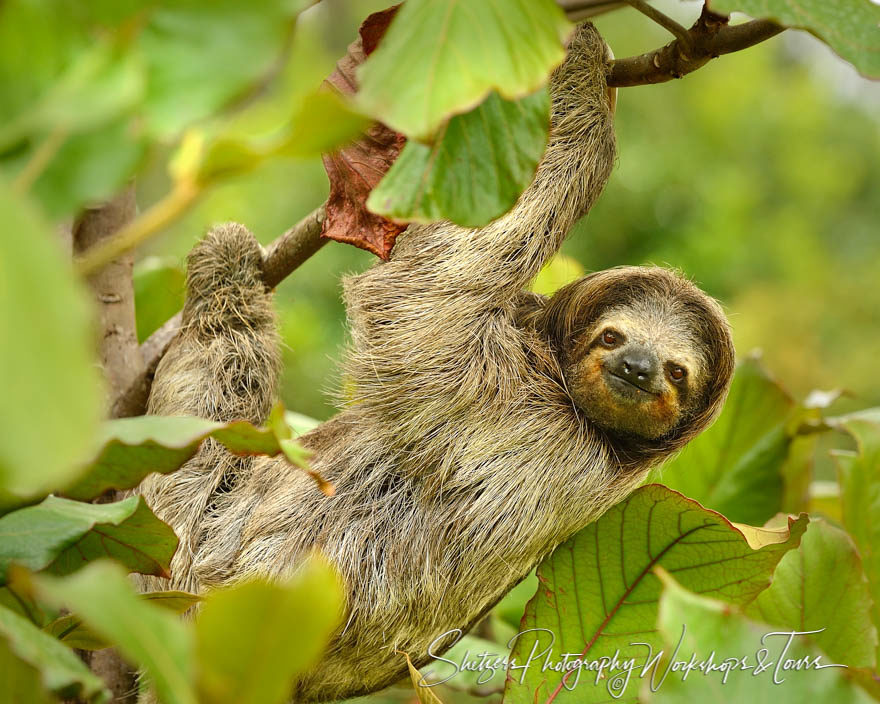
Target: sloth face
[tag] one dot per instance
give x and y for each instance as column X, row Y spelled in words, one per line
column 645, row 354
column 641, row 370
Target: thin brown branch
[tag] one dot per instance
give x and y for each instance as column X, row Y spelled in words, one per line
column 665, row 21
column 283, row 256
column 577, row 10
column 709, row 38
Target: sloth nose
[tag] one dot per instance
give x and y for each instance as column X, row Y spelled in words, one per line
column 637, row 365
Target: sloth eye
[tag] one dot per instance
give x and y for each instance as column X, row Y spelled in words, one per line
column 677, row 373
column 609, row 337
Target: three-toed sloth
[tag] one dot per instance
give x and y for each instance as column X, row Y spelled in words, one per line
column 483, row 425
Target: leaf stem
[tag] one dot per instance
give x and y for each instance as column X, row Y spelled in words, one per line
column 39, row 160
column 152, row 221
column 662, row 19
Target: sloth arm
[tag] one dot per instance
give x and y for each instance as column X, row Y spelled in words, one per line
column 436, row 324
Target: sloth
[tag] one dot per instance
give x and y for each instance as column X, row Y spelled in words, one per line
column 482, row 425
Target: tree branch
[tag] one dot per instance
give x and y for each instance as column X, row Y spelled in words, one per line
column 120, row 359
column 283, row 256
column 577, row 10
column 709, row 38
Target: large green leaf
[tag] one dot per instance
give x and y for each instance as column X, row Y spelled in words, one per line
column 62, row 535
column 735, row 467
column 598, row 592
column 51, row 400
column 146, row 635
column 850, row 27
column 131, row 448
column 443, row 57
column 821, row 585
column 75, row 634
column 22, row 644
column 859, row 477
column 699, row 631
column 476, row 168
column 252, row 639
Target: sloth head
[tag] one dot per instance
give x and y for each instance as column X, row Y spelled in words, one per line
column 646, row 355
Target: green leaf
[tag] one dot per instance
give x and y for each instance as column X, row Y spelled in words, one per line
column 51, row 400
column 62, row 535
column 279, row 630
column 60, row 671
column 701, row 627
column 75, row 634
column 159, row 286
column 146, row 635
column 735, row 467
column 131, row 448
column 21, row 682
column 323, row 122
column 443, row 57
column 859, row 477
column 598, row 593
column 474, row 171
column 203, row 54
column 850, row 27
column 802, row 597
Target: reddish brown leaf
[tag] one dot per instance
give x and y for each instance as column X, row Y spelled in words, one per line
column 356, row 169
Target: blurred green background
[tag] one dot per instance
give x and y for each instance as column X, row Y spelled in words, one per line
column 757, row 176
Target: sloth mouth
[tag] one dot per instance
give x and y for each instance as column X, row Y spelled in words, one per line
column 631, row 389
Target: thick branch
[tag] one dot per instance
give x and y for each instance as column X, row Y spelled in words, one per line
column 113, row 290
column 709, row 38
column 283, row 256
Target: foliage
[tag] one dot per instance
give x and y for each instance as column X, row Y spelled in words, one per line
column 220, row 101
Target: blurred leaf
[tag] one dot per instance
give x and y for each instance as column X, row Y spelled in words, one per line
column 443, row 57
column 802, row 597
column 558, row 272
column 323, row 122
column 254, row 638
column 476, row 168
column 75, row 634
column 300, row 424
column 735, row 466
column 89, row 167
column 101, row 85
column 859, row 477
column 60, row 671
column 850, row 27
column 598, row 590
column 159, row 285
column 21, row 682
column 202, row 55
column 132, row 448
column 146, row 635
column 62, row 535
column 713, row 628
column 51, row 400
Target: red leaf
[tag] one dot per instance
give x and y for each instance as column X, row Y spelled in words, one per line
column 355, row 169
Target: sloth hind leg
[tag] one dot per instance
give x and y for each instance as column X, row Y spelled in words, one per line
column 223, row 365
